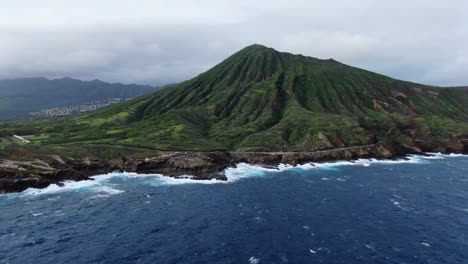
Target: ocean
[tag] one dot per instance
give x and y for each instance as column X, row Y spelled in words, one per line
column 368, row 211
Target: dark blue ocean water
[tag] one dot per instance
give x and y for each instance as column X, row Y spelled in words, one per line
column 414, row 211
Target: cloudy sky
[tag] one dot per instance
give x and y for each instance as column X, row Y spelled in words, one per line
column 157, row 42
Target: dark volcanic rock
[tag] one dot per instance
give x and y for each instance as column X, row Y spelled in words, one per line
column 455, row 145
column 19, row 185
column 198, row 165
column 117, row 164
column 16, row 176
column 380, row 151
column 90, row 166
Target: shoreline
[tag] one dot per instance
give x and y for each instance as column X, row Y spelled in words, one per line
column 233, row 173
column 17, row 176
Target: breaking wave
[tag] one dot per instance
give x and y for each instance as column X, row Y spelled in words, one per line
column 244, row 170
column 103, row 186
column 93, row 186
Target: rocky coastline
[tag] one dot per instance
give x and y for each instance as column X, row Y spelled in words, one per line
column 17, row 176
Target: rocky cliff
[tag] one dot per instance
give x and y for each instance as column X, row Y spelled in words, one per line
column 17, row 176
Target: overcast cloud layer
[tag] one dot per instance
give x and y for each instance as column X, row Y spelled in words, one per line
column 158, row 42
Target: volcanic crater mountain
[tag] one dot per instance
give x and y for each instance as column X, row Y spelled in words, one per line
column 264, row 100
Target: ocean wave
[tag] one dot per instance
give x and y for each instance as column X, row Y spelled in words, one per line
column 177, row 181
column 73, row 186
column 244, row 170
column 438, row 155
column 101, row 184
column 155, row 179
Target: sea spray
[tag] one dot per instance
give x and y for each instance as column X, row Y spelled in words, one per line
column 101, row 184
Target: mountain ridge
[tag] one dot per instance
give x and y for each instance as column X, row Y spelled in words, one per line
column 20, row 96
column 262, row 99
column 258, row 106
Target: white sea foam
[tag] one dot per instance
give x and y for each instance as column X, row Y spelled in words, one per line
column 457, row 155
column 90, row 185
column 434, row 156
column 155, row 179
column 37, row 214
column 370, row 246
column 177, row 181
column 102, row 186
column 438, row 155
column 361, row 162
column 244, row 170
column 254, row 260
column 122, row 175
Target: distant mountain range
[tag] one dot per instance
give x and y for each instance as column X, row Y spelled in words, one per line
column 265, row 100
column 19, row 97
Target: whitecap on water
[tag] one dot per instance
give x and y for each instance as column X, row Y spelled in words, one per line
column 438, row 155
column 36, row 214
column 176, row 181
column 434, row 156
column 244, row 170
column 370, row 246
column 155, row 179
column 103, row 188
column 457, row 155
column 73, row 186
column 360, row 162
column 254, row 260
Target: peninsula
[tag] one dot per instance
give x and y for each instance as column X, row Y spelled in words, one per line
column 259, row 106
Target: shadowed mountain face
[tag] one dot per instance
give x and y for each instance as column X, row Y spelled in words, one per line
column 21, row 96
column 263, row 99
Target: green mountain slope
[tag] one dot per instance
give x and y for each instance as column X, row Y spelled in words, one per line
column 21, row 96
column 263, row 99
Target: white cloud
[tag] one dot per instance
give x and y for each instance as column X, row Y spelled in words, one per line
column 168, row 41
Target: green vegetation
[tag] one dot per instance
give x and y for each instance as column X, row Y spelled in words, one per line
column 266, row 100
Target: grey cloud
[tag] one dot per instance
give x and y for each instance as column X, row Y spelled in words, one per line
column 155, row 42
